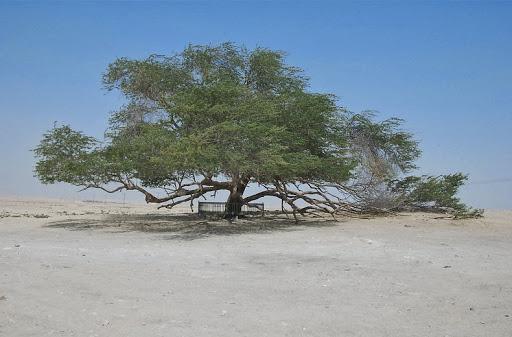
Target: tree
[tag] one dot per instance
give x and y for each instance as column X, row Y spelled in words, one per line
column 215, row 118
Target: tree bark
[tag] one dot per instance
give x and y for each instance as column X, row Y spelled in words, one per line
column 235, row 201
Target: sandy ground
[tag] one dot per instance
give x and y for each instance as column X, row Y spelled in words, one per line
column 94, row 269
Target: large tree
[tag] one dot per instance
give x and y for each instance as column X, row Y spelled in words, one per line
column 214, row 118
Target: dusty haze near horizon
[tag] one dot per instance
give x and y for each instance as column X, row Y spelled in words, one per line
column 106, row 269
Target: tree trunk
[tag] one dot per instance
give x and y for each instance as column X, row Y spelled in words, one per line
column 235, row 201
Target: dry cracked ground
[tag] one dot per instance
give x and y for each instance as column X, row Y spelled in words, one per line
column 104, row 269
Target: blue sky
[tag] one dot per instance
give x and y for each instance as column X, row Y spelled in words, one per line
column 445, row 67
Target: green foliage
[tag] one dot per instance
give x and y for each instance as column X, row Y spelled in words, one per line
column 67, row 156
column 382, row 149
column 221, row 111
column 435, row 192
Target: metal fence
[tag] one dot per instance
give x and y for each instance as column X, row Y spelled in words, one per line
column 219, row 208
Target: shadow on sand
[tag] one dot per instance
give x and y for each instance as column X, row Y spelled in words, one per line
column 187, row 226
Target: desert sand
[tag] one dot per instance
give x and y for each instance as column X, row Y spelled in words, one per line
column 105, row 269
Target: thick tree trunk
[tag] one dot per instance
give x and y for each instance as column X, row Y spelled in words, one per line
column 235, row 201
column 233, row 206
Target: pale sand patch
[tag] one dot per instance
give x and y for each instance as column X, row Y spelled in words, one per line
column 106, row 269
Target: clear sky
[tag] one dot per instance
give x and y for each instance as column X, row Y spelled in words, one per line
column 445, row 67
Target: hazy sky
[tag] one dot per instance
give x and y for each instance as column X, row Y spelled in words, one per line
column 445, row 67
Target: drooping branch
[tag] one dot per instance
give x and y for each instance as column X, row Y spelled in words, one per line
column 117, row 189
column 309, row 198
column 180, row 192
column 190, row 195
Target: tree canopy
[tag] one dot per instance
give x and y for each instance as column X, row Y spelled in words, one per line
column 214, row 118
